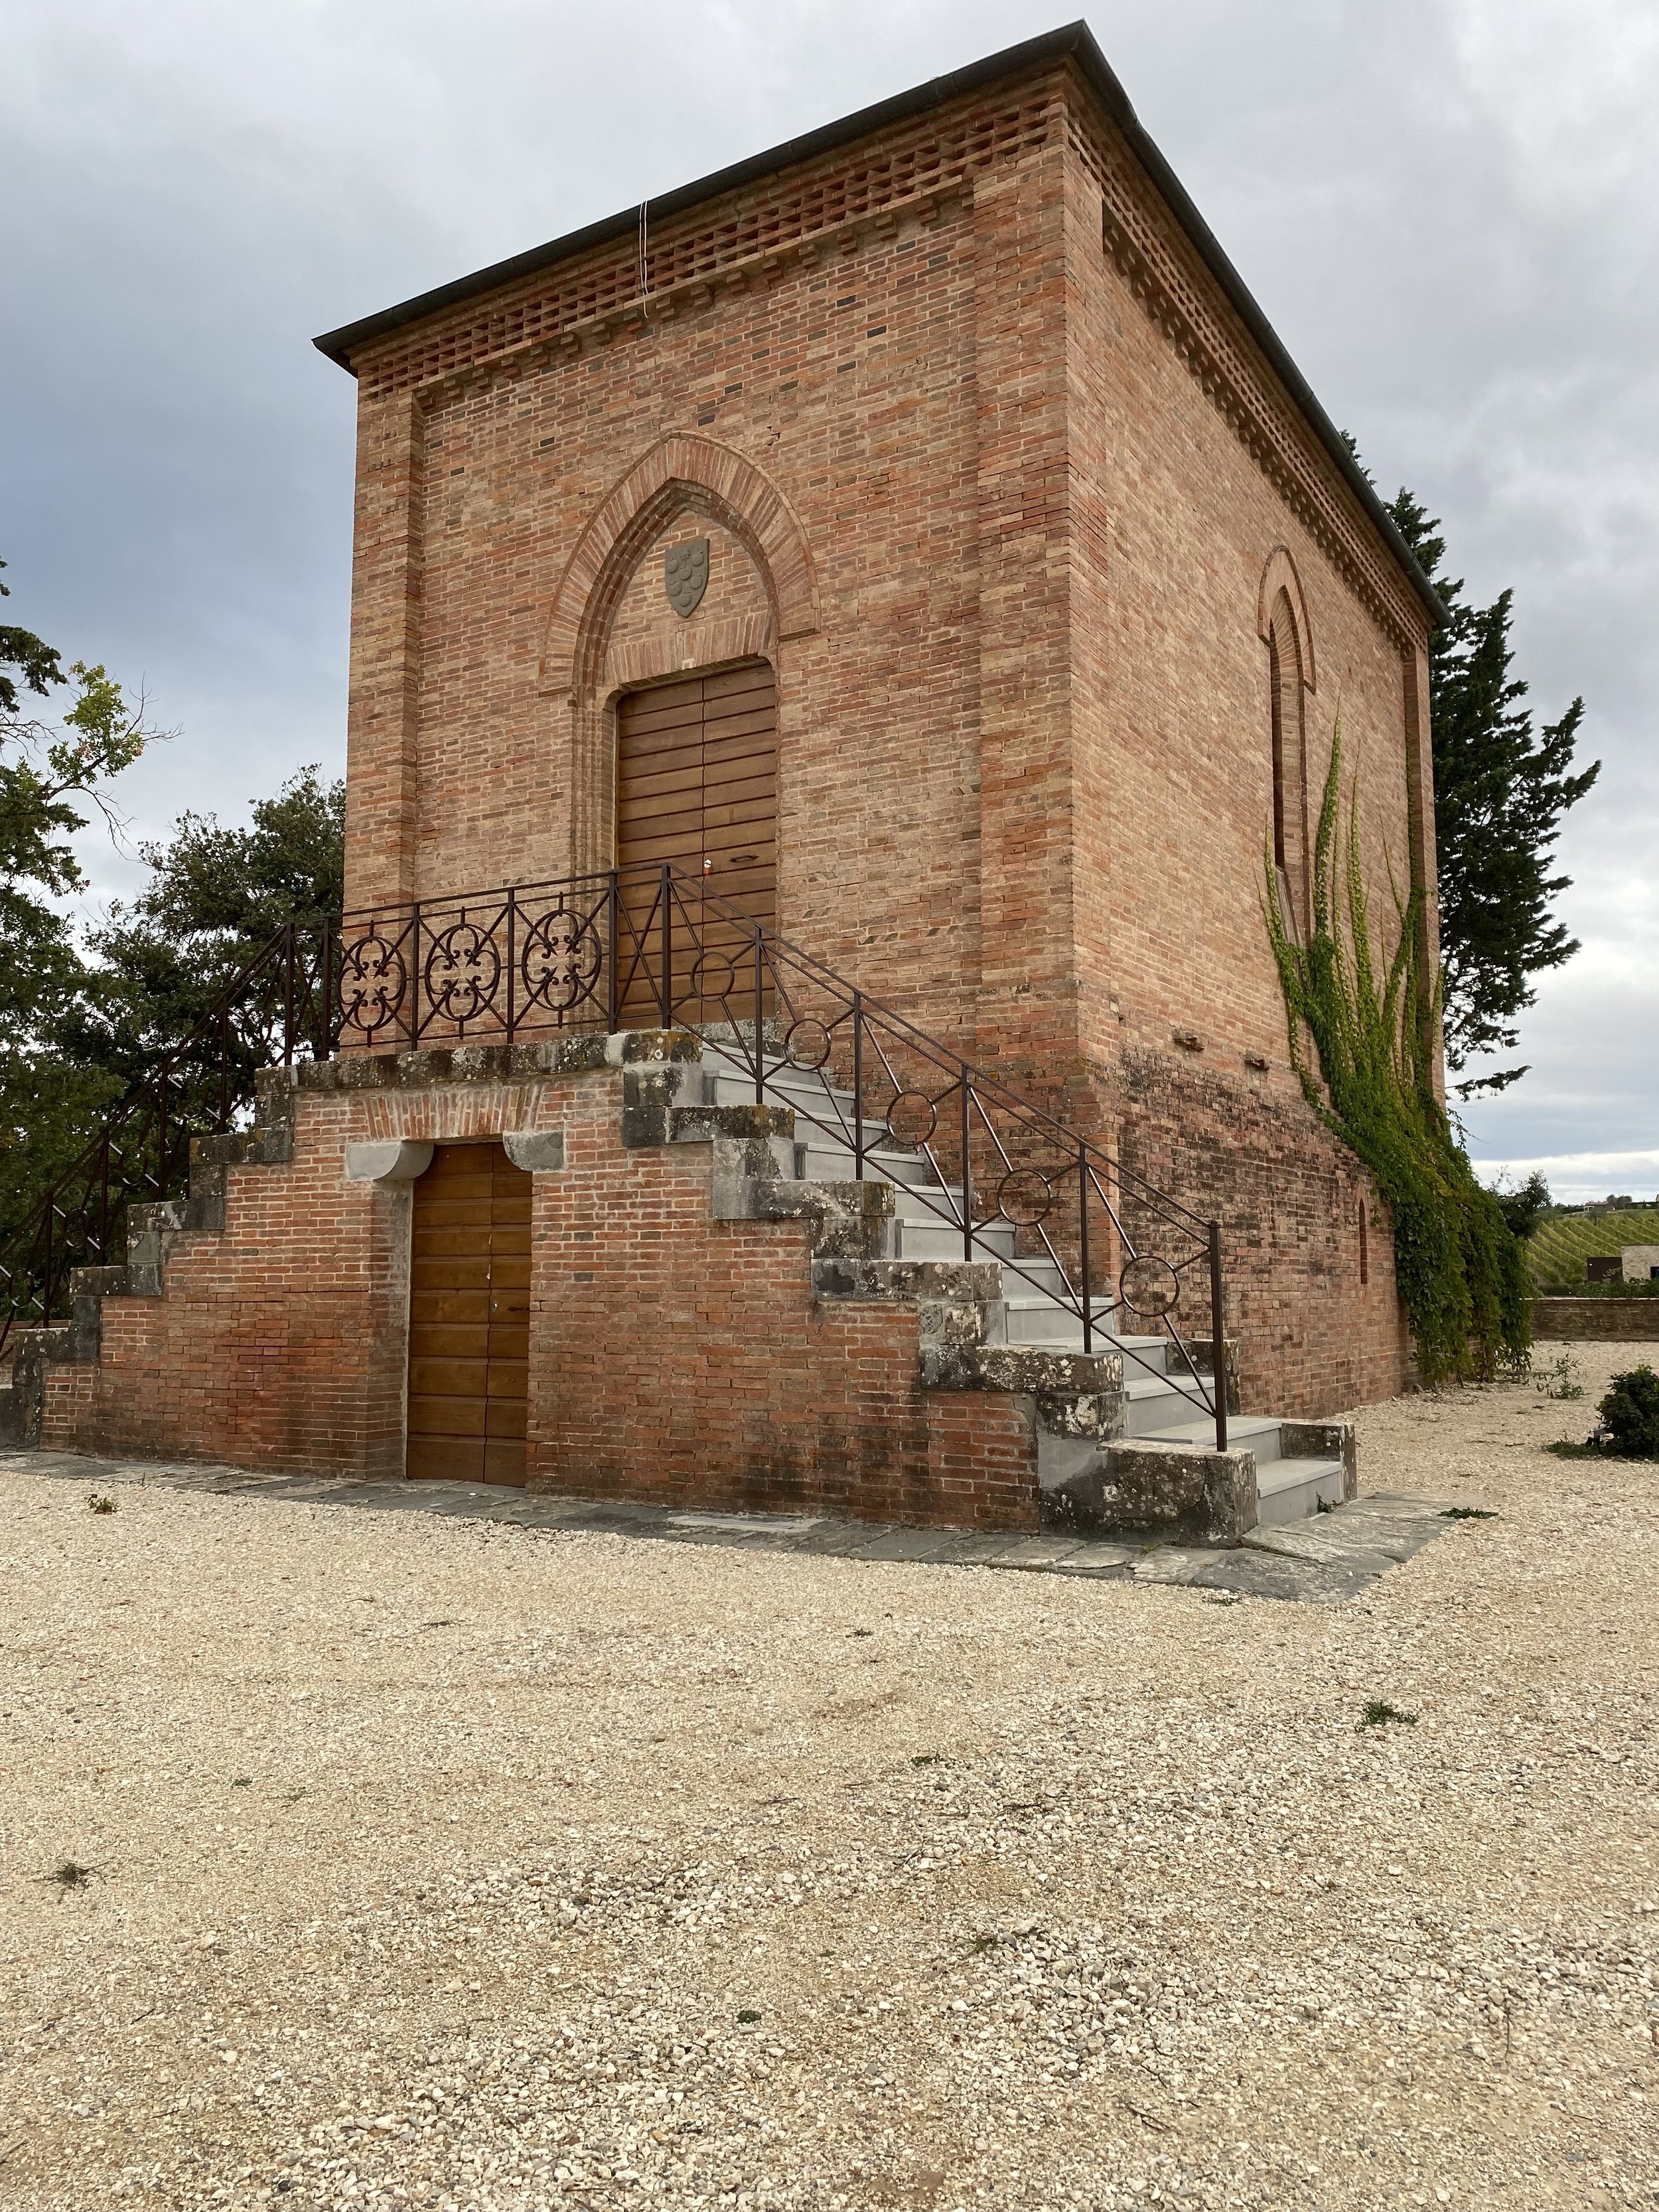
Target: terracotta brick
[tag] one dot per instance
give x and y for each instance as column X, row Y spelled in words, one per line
column 675, row 1359
column 996, row 477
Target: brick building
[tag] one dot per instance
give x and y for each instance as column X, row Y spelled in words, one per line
column 917, row 538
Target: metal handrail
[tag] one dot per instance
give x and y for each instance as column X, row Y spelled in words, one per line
column 608, row 950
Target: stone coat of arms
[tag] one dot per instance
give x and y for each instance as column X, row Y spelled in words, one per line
column 685, row 576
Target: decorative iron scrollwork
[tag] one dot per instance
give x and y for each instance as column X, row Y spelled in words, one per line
column 1149, row 1287
column 373, row 978
column 463, row 972
column 561, row 961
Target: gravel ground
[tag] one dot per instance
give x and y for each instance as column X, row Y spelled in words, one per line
column 444, row 1864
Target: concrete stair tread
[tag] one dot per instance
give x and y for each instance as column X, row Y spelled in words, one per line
column 1029, row 1297
column 1137, row 1383
column 836, row 1155
column 1290, row 1489
column 1242, row 1430
column 1277, row 1474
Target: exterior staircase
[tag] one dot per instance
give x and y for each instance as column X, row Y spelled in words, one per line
column 1163, row 1404
column 730, row 1036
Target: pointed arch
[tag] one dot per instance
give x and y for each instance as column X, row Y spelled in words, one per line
column 1282, row 624
column 1279, row 580
column 680, row 474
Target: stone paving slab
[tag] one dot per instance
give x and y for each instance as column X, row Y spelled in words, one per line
column 838, row 1540
column 1036, row 1554
column 1324, row 1560
column 908, row 1544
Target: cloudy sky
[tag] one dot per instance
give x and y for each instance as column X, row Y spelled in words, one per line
column 1450, row 208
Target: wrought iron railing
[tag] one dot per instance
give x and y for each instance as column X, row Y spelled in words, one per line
column 652, row 946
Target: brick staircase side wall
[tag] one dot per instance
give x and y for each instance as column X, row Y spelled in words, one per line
column 676, row 1357
column 680, row 1360
column 277, row 1343
column 1314, row 1336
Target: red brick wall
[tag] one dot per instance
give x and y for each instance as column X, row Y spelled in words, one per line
column 276, row 1345
column 1596, row 1320
column 675, row 1359
column 1037, row 471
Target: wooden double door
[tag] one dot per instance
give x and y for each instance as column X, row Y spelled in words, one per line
column 697, row 788
column 469, row 1316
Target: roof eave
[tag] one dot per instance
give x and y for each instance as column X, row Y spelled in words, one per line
column 1075, row 42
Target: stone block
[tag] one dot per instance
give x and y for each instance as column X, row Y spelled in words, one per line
column 537, row 1151
column 1180, row 1492
column 1323, row 1440
column 845, row 1220
column 386, row 1161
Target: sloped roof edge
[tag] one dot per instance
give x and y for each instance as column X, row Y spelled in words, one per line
column 1075, row 42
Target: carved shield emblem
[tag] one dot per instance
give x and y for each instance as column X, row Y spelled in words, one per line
column 685, row 576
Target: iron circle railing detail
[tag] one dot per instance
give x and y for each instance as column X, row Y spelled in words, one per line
column 807, row 1045
column 1024, row 1197
column 912, row 1118
column 1150, row 1286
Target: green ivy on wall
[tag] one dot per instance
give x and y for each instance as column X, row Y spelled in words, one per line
column 1461, row 1272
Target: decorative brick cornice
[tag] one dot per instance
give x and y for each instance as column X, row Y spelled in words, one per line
column 1142, row 240
column 792, row 218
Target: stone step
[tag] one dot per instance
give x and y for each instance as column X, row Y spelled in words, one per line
column 1261, row 1432
column 824, row 1102
column 1031, row 1318
column 1292, row 1489
column 1156, row 1352
column 1157, row 1406
column 825, row 1161
column 921, row 1234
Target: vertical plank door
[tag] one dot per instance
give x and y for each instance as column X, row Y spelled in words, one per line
column 469, row 1316
column 697, row 788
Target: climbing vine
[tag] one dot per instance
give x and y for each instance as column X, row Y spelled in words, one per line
column 1461, row 1272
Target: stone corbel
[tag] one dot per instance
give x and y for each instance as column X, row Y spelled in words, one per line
column 537, row 1151
column 391, row 1160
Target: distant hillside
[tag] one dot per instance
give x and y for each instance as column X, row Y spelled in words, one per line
column 1557, row 1250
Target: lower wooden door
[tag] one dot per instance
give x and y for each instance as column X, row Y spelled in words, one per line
column 469, row 1316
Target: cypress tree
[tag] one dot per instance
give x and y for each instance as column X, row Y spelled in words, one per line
column 1500, row 792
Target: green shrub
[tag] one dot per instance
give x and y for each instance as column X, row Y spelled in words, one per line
column 1630, row 1414
column 1461, row 1272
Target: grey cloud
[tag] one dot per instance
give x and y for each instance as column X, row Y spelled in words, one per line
column 1447, row 207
